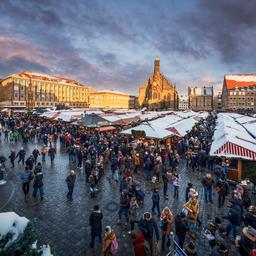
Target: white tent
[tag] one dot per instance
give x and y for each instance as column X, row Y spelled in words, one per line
column 150, row 131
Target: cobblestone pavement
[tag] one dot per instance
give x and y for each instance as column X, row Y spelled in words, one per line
column 65, row 224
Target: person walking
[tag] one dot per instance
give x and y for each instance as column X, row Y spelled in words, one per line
column 12, row 157
column 222, row 190
column 148, row 227
column 70, row 180
column 35, row 154
column 165, row 184
column 193, row 208
column 51, row 154
column 208, row 182
column 176, row 185
column 38, row 181
column 235, row 219
column 166, row 220
column 26, row 176
column 44, row 151
column 124, row 207
column 95, row 221
column 138, row 243
column 21, row 155
column 133, row 212
column 181, row 228
column 110, row 244
column 156, row 201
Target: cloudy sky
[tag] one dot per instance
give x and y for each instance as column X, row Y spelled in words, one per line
column 112, row 44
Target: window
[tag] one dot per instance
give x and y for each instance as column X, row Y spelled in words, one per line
column 16, row 95
column 22, row 88
column 21, row 95
column 16, row 87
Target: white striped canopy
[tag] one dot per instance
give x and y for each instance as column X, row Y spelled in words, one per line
column 231, row 140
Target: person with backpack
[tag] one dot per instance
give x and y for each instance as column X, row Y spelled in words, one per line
column 110, row 244
column 26, row 176
column 95, row 221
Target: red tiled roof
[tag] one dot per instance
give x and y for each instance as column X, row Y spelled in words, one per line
column 239, row 80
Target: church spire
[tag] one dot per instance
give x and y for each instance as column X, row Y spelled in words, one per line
column 157, row 66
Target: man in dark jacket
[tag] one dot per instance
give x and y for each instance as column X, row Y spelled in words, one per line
column 12, row 157
column 96, row 225
column 207, row 182
column 181, row 228
column 35, row 154
column 21, row 154
column 148, row 227
column 235, row 219
column 222, row 186
column 70, row 180
column 38, row 181
column 124, row 207
column 87, row 169
column 156, row 201
column 52, row 153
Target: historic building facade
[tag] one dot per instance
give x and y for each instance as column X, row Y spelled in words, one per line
column 111, row 100
column 239, row 93
column 29, row 90
column 200, row 98
column 157, row 93
column 183, row 102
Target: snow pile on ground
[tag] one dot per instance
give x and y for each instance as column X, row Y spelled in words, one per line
column 12, row 223
column 46, row 250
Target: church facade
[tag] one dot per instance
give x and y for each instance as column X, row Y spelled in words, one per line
column 157, row 93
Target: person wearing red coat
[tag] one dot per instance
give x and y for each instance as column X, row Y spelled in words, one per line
column 138, row 243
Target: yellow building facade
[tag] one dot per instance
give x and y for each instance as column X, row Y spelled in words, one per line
column 109, row 100
column 29, row 90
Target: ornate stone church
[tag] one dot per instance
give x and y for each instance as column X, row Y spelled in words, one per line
column 157, row 93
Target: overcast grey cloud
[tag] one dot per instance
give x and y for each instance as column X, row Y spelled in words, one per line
column 113, row 43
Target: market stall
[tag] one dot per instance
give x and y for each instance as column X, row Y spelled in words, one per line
column 231, row 140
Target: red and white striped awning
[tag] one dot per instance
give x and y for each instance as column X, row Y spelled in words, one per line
column 233, row 150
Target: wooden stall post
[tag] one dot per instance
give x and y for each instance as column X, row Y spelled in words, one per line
column 239, row 169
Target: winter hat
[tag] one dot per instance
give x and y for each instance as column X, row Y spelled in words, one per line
column 108, row 229
column 250, row 233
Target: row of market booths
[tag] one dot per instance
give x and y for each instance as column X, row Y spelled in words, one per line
column 149, row 124
column 234, row 141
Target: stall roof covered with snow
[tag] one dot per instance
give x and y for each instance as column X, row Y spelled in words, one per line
column 231, row 139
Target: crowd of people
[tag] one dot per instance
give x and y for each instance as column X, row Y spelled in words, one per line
column 124, row 161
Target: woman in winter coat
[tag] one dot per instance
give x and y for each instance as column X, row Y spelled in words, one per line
column 193, row 208
column 138, row 243
column 133, row 211
column 108, row 238
column 166, row 219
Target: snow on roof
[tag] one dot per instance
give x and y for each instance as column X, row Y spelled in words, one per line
column 10, row 222
column 242, row 77
column 34, row 75
column 228, row 131
column 183, row 126
column 151, row 131
column 110, row 91
column 233, row 81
